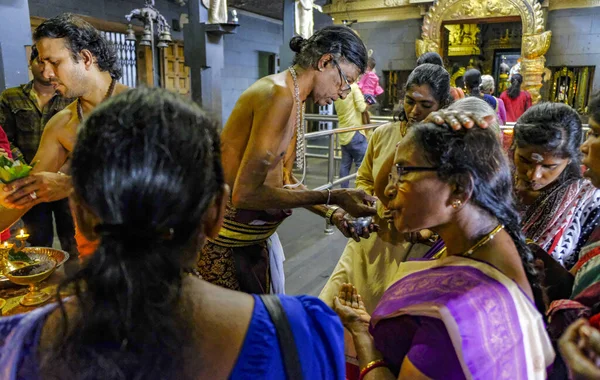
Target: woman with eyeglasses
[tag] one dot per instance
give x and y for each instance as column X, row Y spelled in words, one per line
column 370, row 263
column 475, row 312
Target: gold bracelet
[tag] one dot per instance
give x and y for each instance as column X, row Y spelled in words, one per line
column 330, row 213
column 371, row 366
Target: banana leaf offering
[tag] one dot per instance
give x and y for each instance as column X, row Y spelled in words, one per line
column 12, row 170
column 19, row 256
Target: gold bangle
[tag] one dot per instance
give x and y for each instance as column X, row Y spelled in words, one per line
column 371, row 366
column 330, row 213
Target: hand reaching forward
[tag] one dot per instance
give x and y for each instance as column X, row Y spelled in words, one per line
column 350, row 308
column 580, row 349
column 355, row 201
column 457, row 120
column 350, row 232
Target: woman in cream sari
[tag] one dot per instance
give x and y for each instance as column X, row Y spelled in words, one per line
column 370, row 263
column 473, row 313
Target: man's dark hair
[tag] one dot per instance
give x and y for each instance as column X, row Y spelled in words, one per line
column 430, row 57
column 81, row 35
column 34, row 54
column 337, row 40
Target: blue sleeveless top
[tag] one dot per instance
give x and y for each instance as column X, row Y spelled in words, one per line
column 317, row 330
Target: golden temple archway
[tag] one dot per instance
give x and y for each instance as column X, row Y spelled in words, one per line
column 535, row 42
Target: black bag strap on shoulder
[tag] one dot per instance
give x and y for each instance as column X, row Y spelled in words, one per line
column 291, row 361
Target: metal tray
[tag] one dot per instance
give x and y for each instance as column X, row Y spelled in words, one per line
column 57, row 255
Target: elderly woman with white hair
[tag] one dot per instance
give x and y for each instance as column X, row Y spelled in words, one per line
column 487, row 87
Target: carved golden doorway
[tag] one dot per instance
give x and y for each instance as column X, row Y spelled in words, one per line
column 534, row 43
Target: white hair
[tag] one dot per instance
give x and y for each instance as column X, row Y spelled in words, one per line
column 487, row 84
column 479, row 108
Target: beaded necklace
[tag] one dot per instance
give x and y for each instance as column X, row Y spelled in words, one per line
column 300, row 138
column 111, row 88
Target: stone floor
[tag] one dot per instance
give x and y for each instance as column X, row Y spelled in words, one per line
column 311, row 255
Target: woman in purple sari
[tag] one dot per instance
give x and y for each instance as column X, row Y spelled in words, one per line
column 473, row 312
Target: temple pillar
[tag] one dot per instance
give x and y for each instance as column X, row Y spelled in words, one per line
column 532, row 64
column 532, row 70
column 286, row 55
column 204, row 54
column 15, row 34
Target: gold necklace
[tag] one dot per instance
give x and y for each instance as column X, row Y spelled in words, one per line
column 403, row 128
column 484, row 240
column 111, row 88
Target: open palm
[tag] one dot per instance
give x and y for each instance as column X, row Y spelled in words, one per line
column 349, row 306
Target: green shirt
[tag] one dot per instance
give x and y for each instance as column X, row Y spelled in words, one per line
column 349, row 112
column 23, row 121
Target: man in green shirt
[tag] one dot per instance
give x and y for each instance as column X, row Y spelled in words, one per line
column 354, row 144
column 24, row 112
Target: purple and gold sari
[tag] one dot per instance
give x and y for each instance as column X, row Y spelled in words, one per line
column 461, row 318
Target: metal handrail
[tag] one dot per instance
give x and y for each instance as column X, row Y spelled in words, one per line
column 334, row 118
column 364, row 127
column 331, row 146
column 379, row 120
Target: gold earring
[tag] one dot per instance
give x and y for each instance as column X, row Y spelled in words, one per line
column 456, row 203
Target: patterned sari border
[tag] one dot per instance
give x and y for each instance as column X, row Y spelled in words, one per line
column 478, row 299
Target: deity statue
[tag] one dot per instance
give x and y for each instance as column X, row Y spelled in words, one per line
column 304, row 23
column 217, row 11
column 516, row 69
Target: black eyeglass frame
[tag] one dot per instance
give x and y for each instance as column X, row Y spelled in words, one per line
column 343, row 77
column 400, row 170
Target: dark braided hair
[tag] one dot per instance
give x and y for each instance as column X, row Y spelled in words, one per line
column 515, row 86
column 337, row 40
column 150, row 194
column 478, row 153
column 473, row 82
column 81, row 35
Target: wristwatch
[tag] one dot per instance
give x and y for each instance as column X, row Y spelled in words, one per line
column 330, row 212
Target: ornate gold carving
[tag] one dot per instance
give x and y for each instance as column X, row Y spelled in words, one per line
column 532, row 70
column 457, row 75
column 463, row 39
column 532, row 18
column 492, row 8
column 582, row 90
column 535, row 46
column 424, row 46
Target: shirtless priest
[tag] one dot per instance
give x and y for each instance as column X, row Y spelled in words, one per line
column 80, row 63
column 258, row 151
